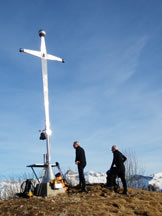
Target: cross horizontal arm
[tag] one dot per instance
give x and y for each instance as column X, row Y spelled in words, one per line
column 54, row 58
column 32, row 52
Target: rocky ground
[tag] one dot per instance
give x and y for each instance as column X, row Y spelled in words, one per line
column 99, row 201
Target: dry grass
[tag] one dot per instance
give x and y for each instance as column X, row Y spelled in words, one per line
column 98, row 201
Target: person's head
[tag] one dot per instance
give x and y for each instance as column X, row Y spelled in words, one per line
column 114, row 148
column 76, row 144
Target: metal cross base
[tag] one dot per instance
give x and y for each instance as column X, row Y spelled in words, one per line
column 48, row 172
column 44, row 188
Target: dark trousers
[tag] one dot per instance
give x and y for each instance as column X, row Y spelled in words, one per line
column 122, row 176
column 81, row 176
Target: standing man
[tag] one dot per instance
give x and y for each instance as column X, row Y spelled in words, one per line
column 118, row 161
column 80, row 161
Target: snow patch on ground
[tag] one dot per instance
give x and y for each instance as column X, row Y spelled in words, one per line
column 95, row 177
column 9, row 189
column 91, row 177
column 156, row 182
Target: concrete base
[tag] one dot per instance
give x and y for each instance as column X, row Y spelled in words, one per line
column 45, row 190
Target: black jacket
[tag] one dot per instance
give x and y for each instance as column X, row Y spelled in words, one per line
column 80, row 156
column 118, row 160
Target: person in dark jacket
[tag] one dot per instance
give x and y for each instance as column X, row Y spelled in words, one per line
column 118, row 161
column 80, row 161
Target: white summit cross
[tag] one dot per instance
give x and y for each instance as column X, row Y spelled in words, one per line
column 44, row 57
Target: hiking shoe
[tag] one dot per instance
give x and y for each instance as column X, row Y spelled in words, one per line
column 84, row 190
column 78, row 186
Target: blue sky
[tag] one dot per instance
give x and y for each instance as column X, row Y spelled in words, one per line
column 108, row 92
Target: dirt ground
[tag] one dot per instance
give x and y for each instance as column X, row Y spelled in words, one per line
column 99, row 201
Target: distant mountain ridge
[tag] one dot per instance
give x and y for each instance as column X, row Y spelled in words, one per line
column 9, row 188
column 137, row 181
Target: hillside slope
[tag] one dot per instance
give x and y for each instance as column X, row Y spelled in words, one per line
column 98, row 201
